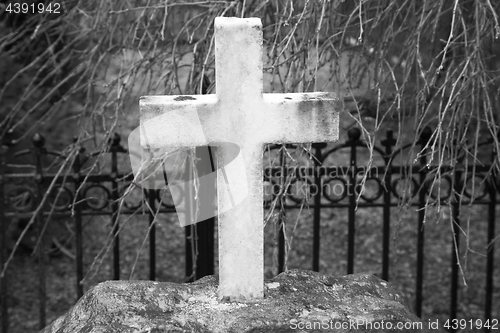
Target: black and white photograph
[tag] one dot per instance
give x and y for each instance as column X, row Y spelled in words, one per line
column 249, row 166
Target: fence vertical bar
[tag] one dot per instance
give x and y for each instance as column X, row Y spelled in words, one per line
column 424, row 138
column 354, row 135
column 78, row 221
column 455, row 212
column 200, row 235
column 420, row 250
column 388, row 143
column 152, row 233
column 114, row 148
column 204, row 232
column 38, row 149
column 488, row 306
column 4, row 314
column 318, row 162
column 190, row 244
column 281, row 245
column 281, row 215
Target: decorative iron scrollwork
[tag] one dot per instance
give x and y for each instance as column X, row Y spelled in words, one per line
column 96, row 197
column 60, row 198
column 21, row 198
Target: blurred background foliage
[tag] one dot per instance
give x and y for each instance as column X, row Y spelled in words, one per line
column 396, row 64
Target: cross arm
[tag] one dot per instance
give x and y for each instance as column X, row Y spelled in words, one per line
column 301, row 118
column 177, row 121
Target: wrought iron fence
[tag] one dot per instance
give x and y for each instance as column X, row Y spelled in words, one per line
column 383, row 182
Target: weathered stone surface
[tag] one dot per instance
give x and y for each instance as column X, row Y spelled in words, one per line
column 294, row 301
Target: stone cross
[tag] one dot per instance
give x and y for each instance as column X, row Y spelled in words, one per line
column 240, row 120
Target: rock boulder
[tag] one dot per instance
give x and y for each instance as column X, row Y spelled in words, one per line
column 294, row 301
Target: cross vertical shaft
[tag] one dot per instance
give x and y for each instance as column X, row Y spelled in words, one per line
column 239, row 85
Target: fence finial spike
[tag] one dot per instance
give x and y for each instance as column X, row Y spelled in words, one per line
column 38, row 140
column 389, row 140
column 425, row 135
column 354, row 134
column 114, row 140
